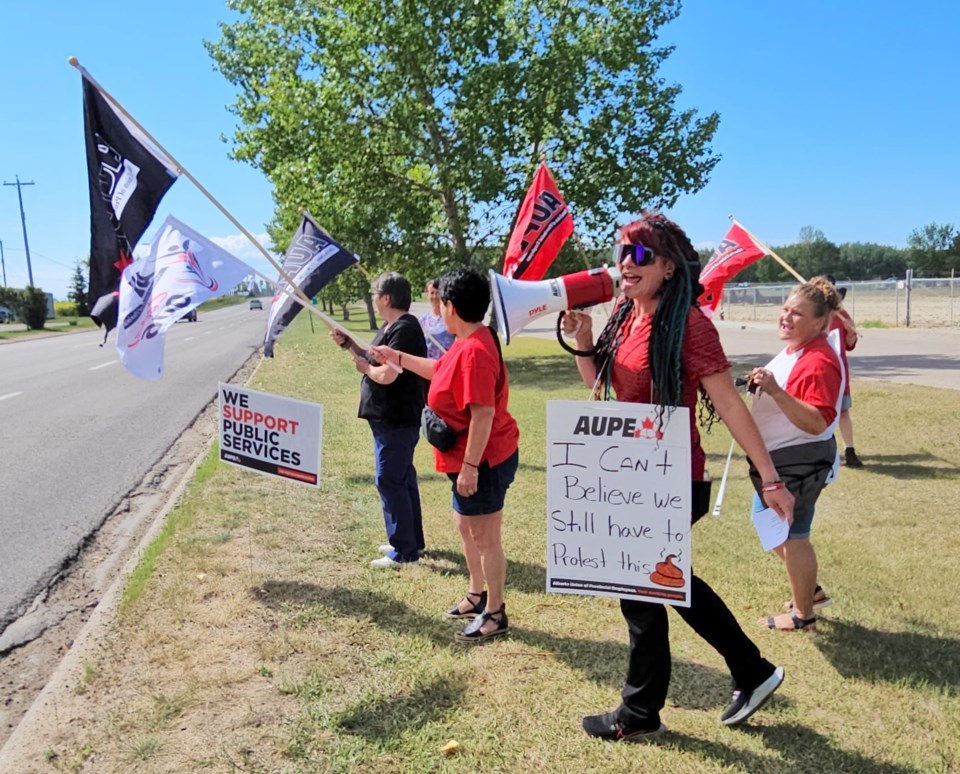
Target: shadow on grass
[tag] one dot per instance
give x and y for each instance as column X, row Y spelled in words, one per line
column 422, row 476
column 694, row 686
column 868, row 654
column 800, row 750
column 924, row 465
column 389, row 717
column 521, row 576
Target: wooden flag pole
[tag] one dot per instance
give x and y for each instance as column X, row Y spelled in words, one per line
column 299, row 296
column 770, row 252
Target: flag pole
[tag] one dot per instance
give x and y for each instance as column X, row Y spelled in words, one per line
column 300, row 296
column 770, row 252
column 723, row 481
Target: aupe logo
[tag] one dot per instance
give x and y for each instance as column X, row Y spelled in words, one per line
column 608, row 427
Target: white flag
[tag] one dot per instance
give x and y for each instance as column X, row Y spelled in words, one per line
column 182, row 270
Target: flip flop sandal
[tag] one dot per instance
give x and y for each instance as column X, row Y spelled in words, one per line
column 820, row 601
column 799, row 624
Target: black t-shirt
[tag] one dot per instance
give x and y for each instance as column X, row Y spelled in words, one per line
column 401, row 402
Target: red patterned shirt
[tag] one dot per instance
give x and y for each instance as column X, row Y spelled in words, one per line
column 701, row 356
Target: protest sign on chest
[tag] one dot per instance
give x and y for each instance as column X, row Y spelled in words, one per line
column 618, row 501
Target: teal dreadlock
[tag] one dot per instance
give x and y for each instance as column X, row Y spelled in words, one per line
column 669, row 327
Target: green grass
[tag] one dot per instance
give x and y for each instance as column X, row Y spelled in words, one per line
column 180, row 519
column 57, row 325
column 255, row 621
column 71, row 324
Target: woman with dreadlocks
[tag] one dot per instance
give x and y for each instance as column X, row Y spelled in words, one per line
column 659, row 348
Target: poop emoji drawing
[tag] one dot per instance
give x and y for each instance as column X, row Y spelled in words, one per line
column 667, row 573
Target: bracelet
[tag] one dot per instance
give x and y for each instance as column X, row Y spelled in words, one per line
column 475, row 467
column 400, row 359
column 772, row 486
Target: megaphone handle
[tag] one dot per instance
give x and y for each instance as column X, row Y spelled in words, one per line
column 578, row 352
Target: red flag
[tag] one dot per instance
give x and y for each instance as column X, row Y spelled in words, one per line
column 736, row 252
column 543, row 225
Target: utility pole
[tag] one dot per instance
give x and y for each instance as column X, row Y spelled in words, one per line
column 2, row 264
column 23, row 218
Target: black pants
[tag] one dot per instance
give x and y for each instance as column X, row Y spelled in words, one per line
column 648, row 672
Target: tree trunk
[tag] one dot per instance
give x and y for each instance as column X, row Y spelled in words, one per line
column 346, row 312
column 371, row 313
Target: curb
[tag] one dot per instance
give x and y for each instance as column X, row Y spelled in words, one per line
column 17, row 753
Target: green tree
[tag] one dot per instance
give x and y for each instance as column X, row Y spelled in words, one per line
column 411, row 128
column 811, row 256
column 811, row 234
column 29, row 305
column 931, row 250
column 78, row 289
column 866, row 261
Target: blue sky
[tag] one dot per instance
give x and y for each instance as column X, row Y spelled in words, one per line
column 840, row 115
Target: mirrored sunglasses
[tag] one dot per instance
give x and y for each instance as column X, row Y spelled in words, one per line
column 640, row 255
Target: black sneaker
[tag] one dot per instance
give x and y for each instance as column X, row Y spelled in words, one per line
column 608, row 728
column 745, row 703
column 851, row 459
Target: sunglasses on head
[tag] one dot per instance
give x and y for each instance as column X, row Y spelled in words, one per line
column 640, row 255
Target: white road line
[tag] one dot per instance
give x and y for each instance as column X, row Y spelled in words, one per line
column 103, row 365
column 190, row 338
column 10, row 395
column 207, row 333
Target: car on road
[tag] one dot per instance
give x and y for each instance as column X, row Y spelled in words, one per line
column 255, row 303
column 6, row 315
column 191, row 316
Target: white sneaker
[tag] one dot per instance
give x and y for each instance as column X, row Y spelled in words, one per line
column 386, row 549
column 386, row 563
column 744, row 704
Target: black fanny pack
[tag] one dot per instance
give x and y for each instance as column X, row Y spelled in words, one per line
column 803, row 468
column 440, row 435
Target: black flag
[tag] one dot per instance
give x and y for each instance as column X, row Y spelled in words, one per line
column 312, row 260
column 127, row 180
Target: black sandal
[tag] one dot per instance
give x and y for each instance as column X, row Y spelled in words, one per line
column 473, row 632
column 477, row 607
column 799, row 624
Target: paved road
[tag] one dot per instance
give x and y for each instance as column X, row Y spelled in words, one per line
column 929, row 356
column 77, row 432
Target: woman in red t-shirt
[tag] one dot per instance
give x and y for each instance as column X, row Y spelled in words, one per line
column 658, row 347
column 469, row 391
column 796, row 405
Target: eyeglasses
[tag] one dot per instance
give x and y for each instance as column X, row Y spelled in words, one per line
column 640, row 255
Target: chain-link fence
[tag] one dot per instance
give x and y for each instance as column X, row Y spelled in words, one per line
column 926, row 303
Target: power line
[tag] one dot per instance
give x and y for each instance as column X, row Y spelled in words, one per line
column 23, row 218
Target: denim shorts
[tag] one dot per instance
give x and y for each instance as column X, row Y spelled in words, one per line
column 802, row 518
column 492, row 485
